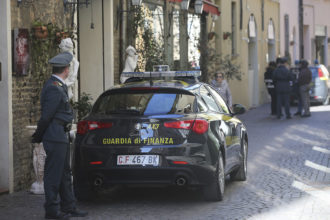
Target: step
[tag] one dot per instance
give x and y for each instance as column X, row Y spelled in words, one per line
column 3, row 191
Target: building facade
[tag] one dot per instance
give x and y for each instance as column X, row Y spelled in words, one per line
column 247, row 31
column 314, row 26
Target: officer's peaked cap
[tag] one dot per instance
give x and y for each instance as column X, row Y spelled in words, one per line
column 61, row 59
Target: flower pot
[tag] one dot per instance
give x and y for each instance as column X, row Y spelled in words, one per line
column 40, row 32
column 61, row 35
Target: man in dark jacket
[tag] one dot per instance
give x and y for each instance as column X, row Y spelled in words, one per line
column 304, row 80
column 282, row 77
column 268, row 78
column 56, row 114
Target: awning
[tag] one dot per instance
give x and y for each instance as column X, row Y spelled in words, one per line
column 208, row 6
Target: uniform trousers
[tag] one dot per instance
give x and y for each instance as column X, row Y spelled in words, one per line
column 57, row 178
column 305, row 100
column 283, row 99
column 273, row 99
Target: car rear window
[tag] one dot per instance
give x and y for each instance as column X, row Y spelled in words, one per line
column 144, row 103
column 314, row 71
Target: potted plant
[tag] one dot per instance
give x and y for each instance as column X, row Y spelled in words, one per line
column 226, row 35
column 40, row 30
column 211, row 35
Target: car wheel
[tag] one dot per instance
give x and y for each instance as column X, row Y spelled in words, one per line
column 326, row 101
column 241, row 173
column 215, row 190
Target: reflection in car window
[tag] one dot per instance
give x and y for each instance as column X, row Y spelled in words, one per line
column 222, row 104
column 144, row 103
column 208, row 99
column 201, row 105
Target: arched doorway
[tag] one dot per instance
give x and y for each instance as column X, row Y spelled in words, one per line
column 253, row 62
column 271, row 41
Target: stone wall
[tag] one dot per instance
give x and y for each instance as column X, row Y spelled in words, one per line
column 25, row 110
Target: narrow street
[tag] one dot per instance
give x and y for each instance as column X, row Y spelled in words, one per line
column 288, row 178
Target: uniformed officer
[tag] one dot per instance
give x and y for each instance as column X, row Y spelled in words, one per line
column 282, row 77
column 56, row 115
column 268, row 79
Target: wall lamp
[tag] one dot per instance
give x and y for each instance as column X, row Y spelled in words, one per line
column 136, row 2
column 198, row 6
column 119, row 11
column 76, row 2
column 185, row 5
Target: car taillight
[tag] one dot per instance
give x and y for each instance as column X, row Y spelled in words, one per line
column 320, row 73
column 84, row 126
column 198, row 126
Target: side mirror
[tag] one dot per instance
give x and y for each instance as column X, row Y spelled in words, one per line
column 238, row 109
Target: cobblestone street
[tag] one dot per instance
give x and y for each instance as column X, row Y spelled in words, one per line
column 288, row 178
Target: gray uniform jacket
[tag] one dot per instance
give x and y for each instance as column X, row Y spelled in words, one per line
column 56, row 112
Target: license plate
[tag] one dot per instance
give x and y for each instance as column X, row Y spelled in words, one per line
column 138, row 160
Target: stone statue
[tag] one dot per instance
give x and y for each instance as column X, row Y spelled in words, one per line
column 39, row 157
column 67, row 46
column 130, row 63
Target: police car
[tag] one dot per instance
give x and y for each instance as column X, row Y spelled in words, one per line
column 161, row 128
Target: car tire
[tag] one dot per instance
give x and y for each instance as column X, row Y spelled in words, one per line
column 241, row 173
column 215, row 190
column 326, row 101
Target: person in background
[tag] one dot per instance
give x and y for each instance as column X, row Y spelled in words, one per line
column 221, row 85
column 268, row 78
column 282, row 77
column 304, row 80
column 295, row 71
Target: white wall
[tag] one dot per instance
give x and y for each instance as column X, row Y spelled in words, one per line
column 6, row 137
column 96, row 48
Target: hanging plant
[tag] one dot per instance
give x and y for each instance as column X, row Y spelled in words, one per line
column 39, row 30
column 226, row 35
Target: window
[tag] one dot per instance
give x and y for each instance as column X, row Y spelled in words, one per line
column 144, row 103
column 221, row 103
column 208, row 99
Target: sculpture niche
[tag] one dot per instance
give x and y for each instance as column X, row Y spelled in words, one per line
column 130, row 63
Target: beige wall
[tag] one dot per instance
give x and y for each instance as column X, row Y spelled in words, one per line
column 316, row 13
column 250, row 90
column 96, row 48
column 290, row 8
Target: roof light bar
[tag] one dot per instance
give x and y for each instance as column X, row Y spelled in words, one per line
column 194, row 73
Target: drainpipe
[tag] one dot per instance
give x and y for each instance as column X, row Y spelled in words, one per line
column 301, row 28
column 122, row 37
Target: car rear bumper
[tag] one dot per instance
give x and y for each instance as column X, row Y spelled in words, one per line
column 195, row 171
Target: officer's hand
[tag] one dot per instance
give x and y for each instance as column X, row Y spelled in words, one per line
column 35, row 139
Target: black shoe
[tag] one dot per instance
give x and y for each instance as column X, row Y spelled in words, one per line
column 77, row 213
column 59, row 215
column 288, row 117
column 297, row 113
column 305, row 116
